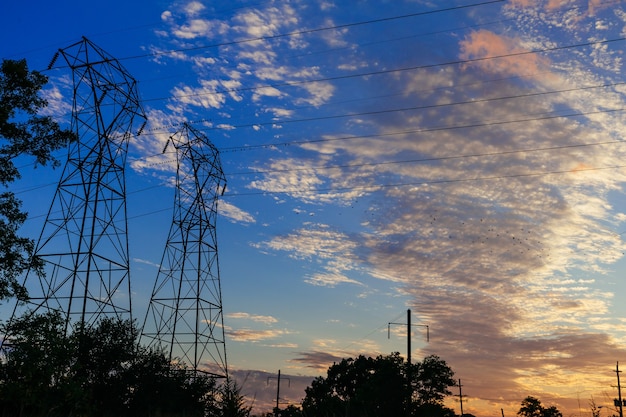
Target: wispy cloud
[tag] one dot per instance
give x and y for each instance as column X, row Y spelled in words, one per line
column 491, row 212
column 253, row 317
column 234, row 213
column 477, row 181
column 317, row 360
column 253, row 335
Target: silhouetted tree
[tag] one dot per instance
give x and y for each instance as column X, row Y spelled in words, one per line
column 35, row 376
column 230, row 402
column 531, row 407
column 379, row 387
column 23, row 132
column 96, row 371
column 289, row 411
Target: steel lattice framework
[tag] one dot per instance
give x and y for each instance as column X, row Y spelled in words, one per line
column 184, row 317
column 84, row 241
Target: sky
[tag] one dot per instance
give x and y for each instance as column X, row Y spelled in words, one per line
column 462, row 159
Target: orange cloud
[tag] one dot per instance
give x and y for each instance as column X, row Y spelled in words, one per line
column 581, row 167
column 515, row 60
column 552, row 5
column 595, row 5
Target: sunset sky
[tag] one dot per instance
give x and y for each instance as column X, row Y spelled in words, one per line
column 462, row 159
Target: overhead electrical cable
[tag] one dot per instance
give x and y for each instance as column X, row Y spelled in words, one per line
column 422, row 107
column 360, row 45
column 410, row 131
column 311, row 191
column 387, row 71
column 315, row 30
column 431, row 159
column 436, row 129
column 371, row 188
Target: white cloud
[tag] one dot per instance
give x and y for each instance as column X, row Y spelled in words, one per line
column 330, row 280
column 194, row 29
column 319, row 93
column 252, row 335
column 146, row 262
column 266, row 22
column 261, row 93
column 279, row 113
column 205, row 96
column 234, row 213
column 193, row 8
column 253, row 317
column 58, row 106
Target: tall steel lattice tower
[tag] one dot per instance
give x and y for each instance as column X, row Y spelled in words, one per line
column 84, row 241
column 184, row 317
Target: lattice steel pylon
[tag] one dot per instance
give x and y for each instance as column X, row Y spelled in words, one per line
column 84, row 240
column 184, row 317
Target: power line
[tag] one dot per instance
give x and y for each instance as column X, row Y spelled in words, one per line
column 377, row 187
column 432, row 159
column 378, row 329
column 384, row 111
column 422, row 107
column 390, row 71
column 367, row 44
column 380, row 72
column 425, row 130
column 217, row 127
column 373, row 164
column 437, row 129
column 309, row 31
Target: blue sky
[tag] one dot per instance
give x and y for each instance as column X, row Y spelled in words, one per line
column 461, row 159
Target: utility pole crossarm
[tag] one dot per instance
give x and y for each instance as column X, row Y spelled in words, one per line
column 413, row 325
column 278, row 389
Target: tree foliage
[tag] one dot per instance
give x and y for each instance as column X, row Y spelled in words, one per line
column 94, row 371
column 23, row 132
column 531, row 407
column 289, row 411
column 379, row 387
column 230, row 401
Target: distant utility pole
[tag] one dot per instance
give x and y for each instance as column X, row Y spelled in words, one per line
column 619, row 390
column 278, row 390
column 461, row 397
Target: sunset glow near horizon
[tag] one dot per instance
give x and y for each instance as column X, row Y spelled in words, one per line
column 462, row 159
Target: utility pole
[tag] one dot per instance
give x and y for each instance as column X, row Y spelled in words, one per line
column 408, row 350
column 619, row 390
column 408, row 340
column 277, row 390
column 461, row 397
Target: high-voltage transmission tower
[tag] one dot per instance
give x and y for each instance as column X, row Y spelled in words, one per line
column 84, row 241
column 184, row 317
